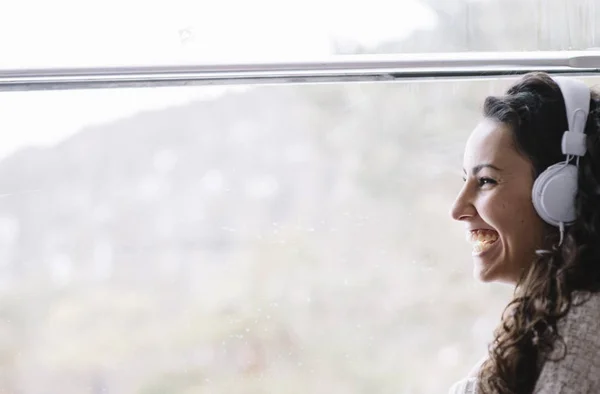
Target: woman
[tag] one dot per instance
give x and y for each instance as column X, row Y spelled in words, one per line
column 548, row 340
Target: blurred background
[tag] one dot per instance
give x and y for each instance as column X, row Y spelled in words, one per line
column 266, row 239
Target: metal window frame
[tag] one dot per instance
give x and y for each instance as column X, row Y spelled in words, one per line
column 353, row 68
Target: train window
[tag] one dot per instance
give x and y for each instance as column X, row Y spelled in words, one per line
column 114, row 32
column 289, row 238
column 240, row 239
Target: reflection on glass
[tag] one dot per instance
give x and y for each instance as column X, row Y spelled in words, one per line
column 132, row 32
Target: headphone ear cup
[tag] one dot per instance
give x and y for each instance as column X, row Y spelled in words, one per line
column 554, row 192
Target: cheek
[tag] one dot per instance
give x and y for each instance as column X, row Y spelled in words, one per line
column 512, row 215
column 498, row 212
column 522, row 224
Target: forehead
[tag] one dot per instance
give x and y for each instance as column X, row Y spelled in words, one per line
column 492, row 143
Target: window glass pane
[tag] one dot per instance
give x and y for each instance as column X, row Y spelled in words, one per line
column 281, row 239
column 37, row 33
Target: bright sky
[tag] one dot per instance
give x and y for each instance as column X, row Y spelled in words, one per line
column 42, row 33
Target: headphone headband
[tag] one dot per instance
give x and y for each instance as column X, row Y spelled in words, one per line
column 555, row 189
column 577, row 97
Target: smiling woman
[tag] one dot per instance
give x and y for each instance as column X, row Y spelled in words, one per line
column 495, row 203
column 527, row 179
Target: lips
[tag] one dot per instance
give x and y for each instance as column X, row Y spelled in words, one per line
column 482, row 239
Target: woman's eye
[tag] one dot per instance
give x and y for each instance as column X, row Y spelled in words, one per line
column 486, row 181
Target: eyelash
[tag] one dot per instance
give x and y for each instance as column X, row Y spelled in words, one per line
column 484, row 181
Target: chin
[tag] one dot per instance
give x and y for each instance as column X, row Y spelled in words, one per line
column 490, row 275
column 483, row 276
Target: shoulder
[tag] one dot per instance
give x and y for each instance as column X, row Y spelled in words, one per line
column 465, row 386
column 575, row 367
column 581, row 325
column 469, row 384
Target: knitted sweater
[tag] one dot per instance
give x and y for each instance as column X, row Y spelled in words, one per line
column 577, row 372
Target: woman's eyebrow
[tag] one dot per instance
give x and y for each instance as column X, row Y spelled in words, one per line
column 476, row 169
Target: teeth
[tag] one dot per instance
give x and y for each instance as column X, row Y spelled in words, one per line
column 482, row 240
column 480, row 247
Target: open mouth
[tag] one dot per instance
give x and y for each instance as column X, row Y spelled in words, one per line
column 482, row 240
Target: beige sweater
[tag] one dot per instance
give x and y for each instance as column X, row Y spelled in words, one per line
column 579, row 371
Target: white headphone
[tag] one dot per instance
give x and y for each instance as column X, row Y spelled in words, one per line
column 555, row 189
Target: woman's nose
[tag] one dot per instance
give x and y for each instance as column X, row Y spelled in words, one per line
column 462, row 208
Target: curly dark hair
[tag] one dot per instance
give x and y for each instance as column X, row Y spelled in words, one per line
column 534, row 109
